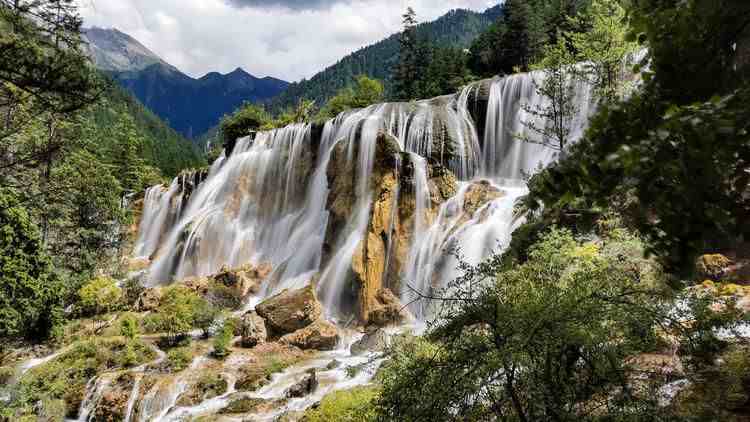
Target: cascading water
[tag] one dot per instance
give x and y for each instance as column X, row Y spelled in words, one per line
column 271, row 201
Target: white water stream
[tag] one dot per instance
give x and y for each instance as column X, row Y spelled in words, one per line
column 267, row 202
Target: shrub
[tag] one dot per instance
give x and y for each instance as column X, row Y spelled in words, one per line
column 99, row 296
column 352, row 405
column 179, row 358
column 223, row 339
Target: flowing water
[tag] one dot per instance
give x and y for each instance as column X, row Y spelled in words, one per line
column 269, row 202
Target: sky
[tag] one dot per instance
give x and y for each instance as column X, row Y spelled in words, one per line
column 287, row 39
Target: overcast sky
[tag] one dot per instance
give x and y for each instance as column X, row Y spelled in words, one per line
column 288, row 39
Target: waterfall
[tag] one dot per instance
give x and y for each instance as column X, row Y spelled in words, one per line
column 269, row 200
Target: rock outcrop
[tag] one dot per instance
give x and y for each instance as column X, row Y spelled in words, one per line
column 373, row 341
column 253, row 330
column 320, row 335
column 148, row 300
column 307, row 385
column 290, row 310
column 386, row 310
column 712, row 267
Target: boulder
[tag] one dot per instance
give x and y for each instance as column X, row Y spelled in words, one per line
column 320, row 335
column 373, row 341
column 253, row 330
column 245, row 280
column 387, row 309
column 333, row 364
column 712, row 267
column 290, row 310
column 148, row 300
column 307, row 385
column 245, row 405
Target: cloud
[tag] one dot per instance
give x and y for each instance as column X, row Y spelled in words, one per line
column 285, row 4
column 288, row 39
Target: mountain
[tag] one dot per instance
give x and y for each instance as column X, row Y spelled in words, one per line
column 190, row 106
column 115, row 51
column 457, row 28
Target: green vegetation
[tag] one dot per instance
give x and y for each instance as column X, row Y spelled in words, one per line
column 31, row 294
column 457, row 29
column 352, row 405
column 99, row 296
column 223, row 339
column 244, row 121
column 179, row 358
column 363, row 93
column 678, row 147
column 176, row 315
column 65, row 377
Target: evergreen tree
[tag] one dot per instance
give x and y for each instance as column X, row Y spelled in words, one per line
column 407, row 73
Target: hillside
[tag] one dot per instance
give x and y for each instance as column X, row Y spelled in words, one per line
column 457, row 28
column 163, row 147
column 190, row 106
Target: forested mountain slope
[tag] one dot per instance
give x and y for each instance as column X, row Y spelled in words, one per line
column 457, row 28
column 190, row 106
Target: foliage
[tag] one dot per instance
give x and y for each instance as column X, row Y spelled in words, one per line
column 363, row 93
column 302, row 113
column 179, row 358
column 602, row 50
column 176, row 313
column 521, row 32
column 352, row 405
column 544, row 340
column 247, row 119
column 457, row 29
column 99, row 296
column 682, row 150
column 558, row 112
column 406, row 74
column 66, row 376
column 223, row 339
column 30, row 293
column 205, row 313
column 129, row 326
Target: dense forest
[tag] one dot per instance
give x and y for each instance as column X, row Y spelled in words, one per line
column 622, row 291
column 457, row 29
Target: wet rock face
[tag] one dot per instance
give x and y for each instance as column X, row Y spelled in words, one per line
column 113, row 403
column 387, row 310
column 307, row 385
column 253, row 330
column 290, row 310
column 320, row 335
column 478, row 195
column 373, row 341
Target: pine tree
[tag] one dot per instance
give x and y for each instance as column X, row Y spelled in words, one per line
column 406, row 76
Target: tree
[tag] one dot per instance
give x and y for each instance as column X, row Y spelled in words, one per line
column 247, row 119
column 407, row 72
column 549, row 339
column 205, row 315
column 552, row 120
column 364, row 92
column 99, row 297
column 31, row 294
column 604, row 53
column 223, row 339
column 176, row 313
column 44, row 76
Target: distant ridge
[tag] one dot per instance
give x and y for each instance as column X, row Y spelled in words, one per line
column 190, row 106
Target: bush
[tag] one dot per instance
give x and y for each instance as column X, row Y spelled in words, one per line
column 548, row 337
column 179, row 358
column 99, row 296
column 245, row 120
column 223, row 339
column 352, row 405
column 176, row 314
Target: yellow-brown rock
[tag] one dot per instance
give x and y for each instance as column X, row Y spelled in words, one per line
column 290, row 310
column 320, row 335
column 712, row 267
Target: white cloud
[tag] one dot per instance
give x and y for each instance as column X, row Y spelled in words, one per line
column 288, row 39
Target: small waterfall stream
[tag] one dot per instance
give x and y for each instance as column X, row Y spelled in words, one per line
column 269, row 201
